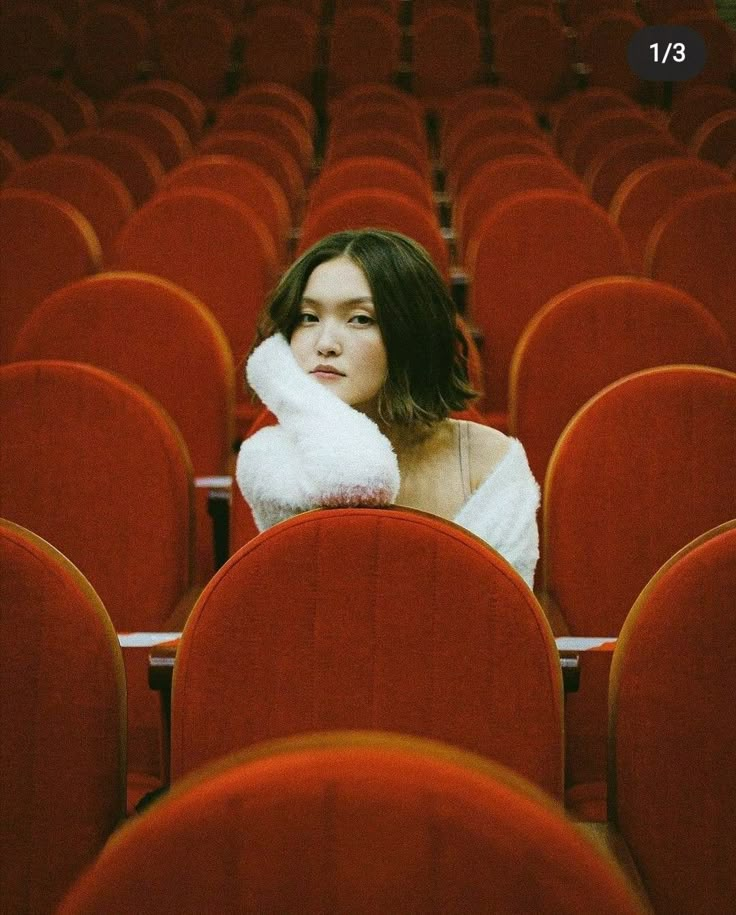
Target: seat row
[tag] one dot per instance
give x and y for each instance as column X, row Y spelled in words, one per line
column 291, row 666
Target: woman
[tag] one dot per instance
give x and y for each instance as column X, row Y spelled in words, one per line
column 362, row 363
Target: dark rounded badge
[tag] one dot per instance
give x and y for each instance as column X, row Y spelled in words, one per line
column 665, row 53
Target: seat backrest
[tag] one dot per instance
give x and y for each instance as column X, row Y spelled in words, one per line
column 650, row 190
column 692, row 108
column 692, row 247
column 566, row 239
column 359, row 172
column 145, row 329
column 131, row 158
column 71, row 107
column 30, row 129
column 578, row 106
column 381, row 209
column 372, row 822
column 213, row 245
column 644, row 467
column 363, row 47
column 501, row 178
column 614, row 163
column 173, row 97
column 265, row 152
column 195, row 44
column 446, row 51
column 280, row 125
column 614, row 326
column 62, row 704
column 156, row 126
column 673, row 680
column 45, row 243
column 603, row 41
column 424, row 630
column 480, row 124
column 715, row 139
column 380, row 115
column 282, row 96
column 375, row 142
column 87, row 184
column 33, row 40
column 111, row 43
column 596, row 132
column 483, row 150
column 531, row 54
column 243, row 179
column 92, row 464
column 281, row 46
column 471, row 98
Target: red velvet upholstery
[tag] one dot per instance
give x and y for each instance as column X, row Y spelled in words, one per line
column 577, row 107
column 161, row 130
column 374, row 142
column 446, row 52
column 614, row 326
column 691, row 247
column 720, row 42
column 490, row 98
column 645, row 466
column 71, row 108
column 45, row 243
column 692, row 108
column 612, row 166
column 482, row 151
column 380, row 114
column 146, row 329
column 364, row 46
column 380, row 618
column 370, row 91
column 62, row 705
column 213, row 245
column 281, row 46
column 658, row 11
column 598, row 131
column 530, row 247
column 380, row 209
column 244, row 180
column 28, row 128
column 577, row 12
column 359, row 172
column 93, row 465
column 96, row 191
column 283, row 126
column 353, row 823
column 531, row 54
column 501, row 178
column 649, row 192
column 266, row 153
column 715, row 139
column 111, row 43
column 132, row 159
column 33, row 40
column 172, row 97
column 672, row 778
column 481, row 124
column 279, row 95
column 195, row 43
column 602, row 47
column 9, row 159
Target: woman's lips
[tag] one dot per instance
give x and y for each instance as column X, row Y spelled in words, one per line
column 330, row 376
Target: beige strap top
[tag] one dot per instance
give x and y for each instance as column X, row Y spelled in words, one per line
column 463, row 447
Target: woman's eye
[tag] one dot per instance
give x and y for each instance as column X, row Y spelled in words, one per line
column 363, row 320
column 307, row 318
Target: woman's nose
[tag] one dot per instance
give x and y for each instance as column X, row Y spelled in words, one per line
column 328, row 342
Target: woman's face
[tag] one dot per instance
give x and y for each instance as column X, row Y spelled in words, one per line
column 337, row 339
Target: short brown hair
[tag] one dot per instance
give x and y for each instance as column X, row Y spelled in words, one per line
column 426, row 351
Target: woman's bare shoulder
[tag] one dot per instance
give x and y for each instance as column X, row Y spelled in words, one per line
column 487, row 448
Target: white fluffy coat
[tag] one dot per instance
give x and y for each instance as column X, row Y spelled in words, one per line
column 323, row 453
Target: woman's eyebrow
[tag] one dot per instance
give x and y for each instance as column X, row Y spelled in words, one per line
column 359, row 300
